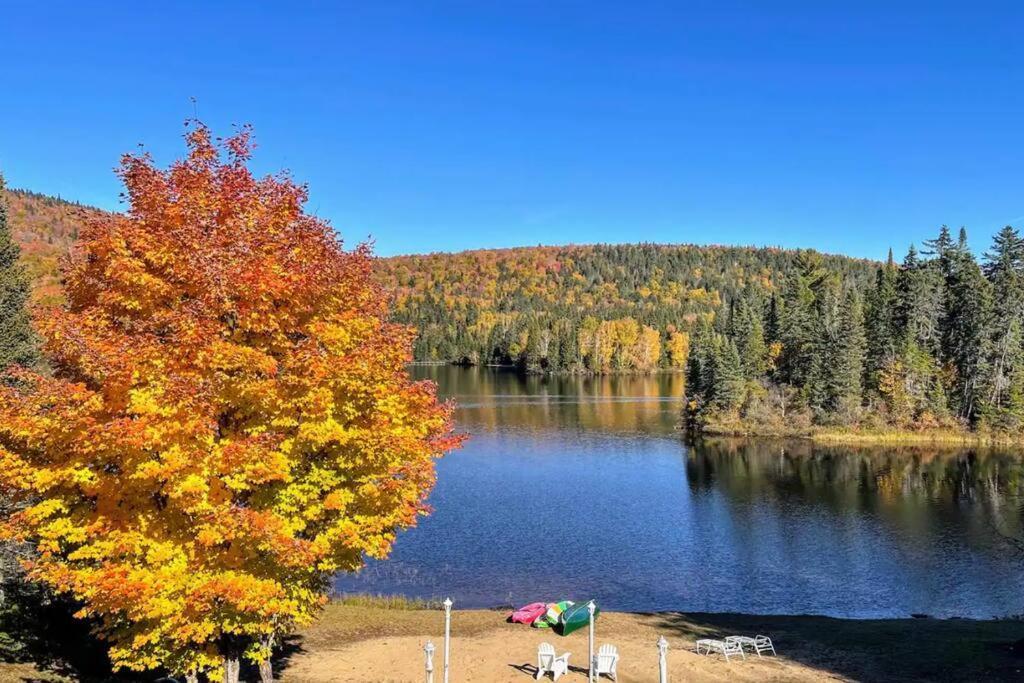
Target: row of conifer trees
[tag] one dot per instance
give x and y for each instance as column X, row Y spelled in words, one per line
column 933, row 341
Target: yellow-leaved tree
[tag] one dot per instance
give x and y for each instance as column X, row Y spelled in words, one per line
column 228, row 423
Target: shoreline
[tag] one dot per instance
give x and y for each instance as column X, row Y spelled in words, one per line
column 896, row 437
column 366, row 638
column 949, row 437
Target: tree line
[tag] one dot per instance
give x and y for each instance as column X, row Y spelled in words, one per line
column 935, row 341
column 595, row 309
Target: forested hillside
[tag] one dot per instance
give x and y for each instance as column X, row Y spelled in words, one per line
column 771, row 340
column 584, row 308
column 45, row 228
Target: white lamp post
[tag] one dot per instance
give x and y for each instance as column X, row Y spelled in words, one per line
column 428, row 653
column 590, row 671
column 447, row 633
column 662, row 663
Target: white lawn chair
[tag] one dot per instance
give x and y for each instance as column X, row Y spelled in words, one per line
column 606, row 659
column 548, row 662
column 726, row 648
column 758, row 643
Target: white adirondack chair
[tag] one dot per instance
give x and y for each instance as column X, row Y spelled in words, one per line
column 606, row 659
column 547, row 661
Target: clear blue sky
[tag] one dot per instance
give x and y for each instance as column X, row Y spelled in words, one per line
column 847, row 127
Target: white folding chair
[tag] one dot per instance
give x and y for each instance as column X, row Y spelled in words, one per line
column 758, row 643
column 727, row 648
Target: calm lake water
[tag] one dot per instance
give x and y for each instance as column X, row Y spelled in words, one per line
column 578, row 488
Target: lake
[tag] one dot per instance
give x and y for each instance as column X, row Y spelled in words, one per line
column 575, row 488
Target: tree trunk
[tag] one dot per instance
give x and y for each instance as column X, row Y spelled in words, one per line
column 232, row 667
column 266, row 671
column 192, row 677
column 266, row 666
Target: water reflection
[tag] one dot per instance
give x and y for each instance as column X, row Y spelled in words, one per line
column 922, row 489
column 579, row 487
column 491, row 398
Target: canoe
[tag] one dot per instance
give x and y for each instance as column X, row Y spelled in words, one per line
column 575, row 618
column 527, row 614
column 552, row 615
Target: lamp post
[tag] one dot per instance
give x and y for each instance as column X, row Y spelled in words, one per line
column 447, row 634
column 662, row 663
column 428, row 653
column 590, row 671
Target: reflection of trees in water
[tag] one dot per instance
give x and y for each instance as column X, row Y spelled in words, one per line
column 929, row 481
column 489, row 399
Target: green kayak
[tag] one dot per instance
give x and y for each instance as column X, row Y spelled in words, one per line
column 575, row 618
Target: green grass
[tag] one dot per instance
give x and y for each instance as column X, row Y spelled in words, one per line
column 392, row 602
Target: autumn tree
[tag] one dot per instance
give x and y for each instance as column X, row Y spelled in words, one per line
column 229, row 421
column 678, row 347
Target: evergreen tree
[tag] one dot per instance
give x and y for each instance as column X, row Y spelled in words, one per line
column 848, row 368
column 941, row 245
column 919, row 308
column 700, row 364
column 728, row 385
column 818, row 388
column 796, row 328
column 17, row 340
column 880, row 323
column 966, row 330
column 1003, row 265
column 748, row 335
column 771, row 320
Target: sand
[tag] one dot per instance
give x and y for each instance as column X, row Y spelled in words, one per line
column 500, row 652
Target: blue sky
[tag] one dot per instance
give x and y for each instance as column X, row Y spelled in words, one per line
column 847, row 127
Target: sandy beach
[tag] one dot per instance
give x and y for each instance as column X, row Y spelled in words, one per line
column 371, row 644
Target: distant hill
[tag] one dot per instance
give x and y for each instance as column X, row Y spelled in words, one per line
column 45, row 227
column 597, row 307
column 590, row 307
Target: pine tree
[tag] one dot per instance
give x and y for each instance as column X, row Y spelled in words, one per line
column 771, row 320
column 920, row 293
column 848, row 368
column 1003, row 264
column 941, row 245
column 818, row 388
column 748, row 334
column 700, row 364
column 796, row 329
column 966, row 330
column 17, row 340
column 728, row 389
column 880, row 323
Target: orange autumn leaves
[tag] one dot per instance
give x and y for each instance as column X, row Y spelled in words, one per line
column 228, row 422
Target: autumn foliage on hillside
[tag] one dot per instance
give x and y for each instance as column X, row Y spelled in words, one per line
column 229, row 421
column 582, row 308
column 45, row 228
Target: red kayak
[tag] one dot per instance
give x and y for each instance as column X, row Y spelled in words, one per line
column 527, row 614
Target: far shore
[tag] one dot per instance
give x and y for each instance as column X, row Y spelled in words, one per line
column 874, row 436
column 373, row 640
column 948, row 438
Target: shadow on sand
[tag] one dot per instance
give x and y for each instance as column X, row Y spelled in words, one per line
column 875, row 649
